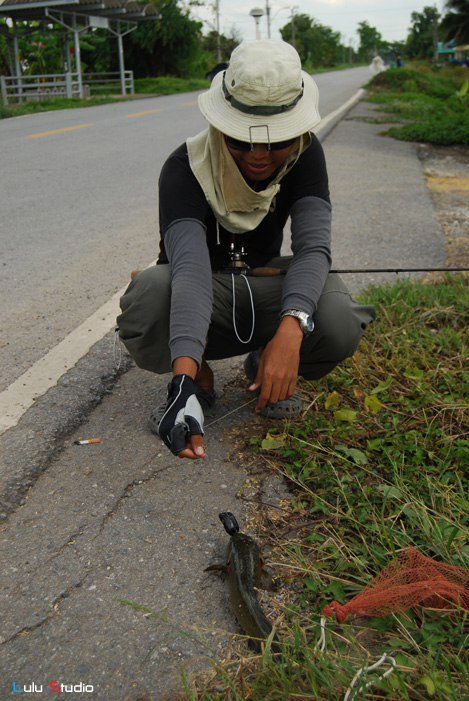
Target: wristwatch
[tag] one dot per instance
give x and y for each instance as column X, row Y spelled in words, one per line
column 306, row 320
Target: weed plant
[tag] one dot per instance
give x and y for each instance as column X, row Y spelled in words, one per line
column 380, row 462
column 433, row 106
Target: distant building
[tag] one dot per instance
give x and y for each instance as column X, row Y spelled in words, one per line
column 446, row 50
column 461, row 53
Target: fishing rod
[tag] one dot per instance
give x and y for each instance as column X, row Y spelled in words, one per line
column 399, row 270
column 269, row 272
column 238, row 265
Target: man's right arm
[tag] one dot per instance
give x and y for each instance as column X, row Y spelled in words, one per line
column 191, row 288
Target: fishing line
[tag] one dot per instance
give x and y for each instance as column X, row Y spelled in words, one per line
column 231, row 412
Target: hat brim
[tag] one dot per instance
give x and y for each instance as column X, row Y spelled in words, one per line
column 287, row 125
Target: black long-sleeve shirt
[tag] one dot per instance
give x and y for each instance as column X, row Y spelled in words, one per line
column 194, row 245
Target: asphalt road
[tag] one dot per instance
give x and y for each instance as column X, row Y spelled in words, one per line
column 79, row 208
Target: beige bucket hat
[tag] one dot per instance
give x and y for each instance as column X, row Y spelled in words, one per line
column 263, row 96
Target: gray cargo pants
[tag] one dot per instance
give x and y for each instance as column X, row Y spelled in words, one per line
column 339, row 321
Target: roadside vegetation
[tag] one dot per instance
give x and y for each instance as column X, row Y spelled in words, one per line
column 165, row 85
column 378, row 463
column 432, row 104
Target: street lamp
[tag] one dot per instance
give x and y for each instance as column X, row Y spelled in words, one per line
column 257, row 13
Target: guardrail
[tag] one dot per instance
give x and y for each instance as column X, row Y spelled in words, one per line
column 45, row 87
column 39, row 87
column 110, row 81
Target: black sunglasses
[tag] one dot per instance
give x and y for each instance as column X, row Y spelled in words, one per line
column 237, row 145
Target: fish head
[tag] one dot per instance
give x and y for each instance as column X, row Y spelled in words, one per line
column 229, row 522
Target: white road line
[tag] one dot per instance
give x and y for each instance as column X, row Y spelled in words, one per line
column 18, row 397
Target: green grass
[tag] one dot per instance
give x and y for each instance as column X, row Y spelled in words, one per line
column 380, row 462
column 433, row 107
column 151, row 86
column 168, row 85
column 17, row 110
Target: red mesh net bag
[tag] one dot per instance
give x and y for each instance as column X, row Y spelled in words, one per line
column 409, row 580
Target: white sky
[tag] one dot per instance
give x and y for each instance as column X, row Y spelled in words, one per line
column 390, row 17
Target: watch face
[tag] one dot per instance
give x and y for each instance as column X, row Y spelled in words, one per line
column 309, row 323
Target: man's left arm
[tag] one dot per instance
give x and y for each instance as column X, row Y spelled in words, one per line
column 302, row 287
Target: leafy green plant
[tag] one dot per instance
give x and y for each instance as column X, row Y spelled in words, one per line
column 465, row 89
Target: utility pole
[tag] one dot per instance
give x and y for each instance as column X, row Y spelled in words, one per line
column 435, row 34
column 267, row 12
column 217, row 21
column 293, row 27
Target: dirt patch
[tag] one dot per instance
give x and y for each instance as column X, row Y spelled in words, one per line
column 447, row 184
column 447, row 172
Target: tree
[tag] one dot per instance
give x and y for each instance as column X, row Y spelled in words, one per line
column 41, row 51
column 421, row 39
column 4, row 53
column 169, row 46
column 395, row 48
column 227, row 44
column 98, row 52
column 455, row 24
column 316, row 44
column 371, row 41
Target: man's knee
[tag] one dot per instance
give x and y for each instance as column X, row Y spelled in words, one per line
column 340, row 322
column 144, row 321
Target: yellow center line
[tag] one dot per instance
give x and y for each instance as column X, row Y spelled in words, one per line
column 187, row 104
column 139, row 114
column 57, row 131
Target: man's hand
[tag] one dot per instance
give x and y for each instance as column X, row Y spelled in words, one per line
column 278, row 367
column 182, row 425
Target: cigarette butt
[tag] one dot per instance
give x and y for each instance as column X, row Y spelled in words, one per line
column 91, row 440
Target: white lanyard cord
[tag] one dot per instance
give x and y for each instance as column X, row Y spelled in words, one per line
column 234, row 308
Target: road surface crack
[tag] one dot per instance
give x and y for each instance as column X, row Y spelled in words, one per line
column 49, row 615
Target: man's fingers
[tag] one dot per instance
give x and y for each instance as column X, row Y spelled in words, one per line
column 264, row 397
column 194, row 449
column 197, row 445
column 278, row 392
